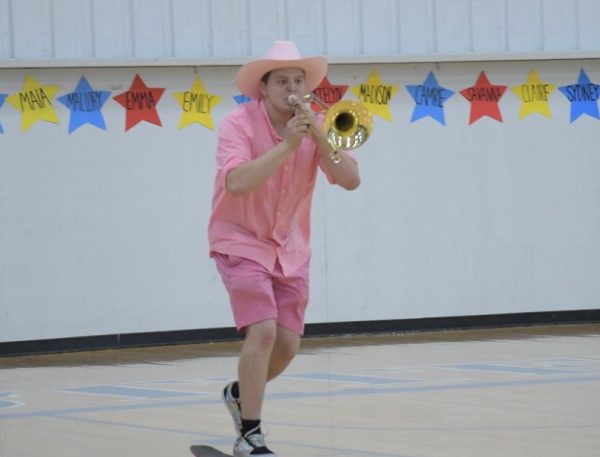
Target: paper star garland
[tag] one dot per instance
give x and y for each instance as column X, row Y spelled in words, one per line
column 534, row 95
column 484, row 98
column 85, row 104
column 197, row 105
column 329, row 93
column 429, row 99
column 34, row 101
column 140, row 103
column 376, row 95
column 583, row 96
column 2, row 97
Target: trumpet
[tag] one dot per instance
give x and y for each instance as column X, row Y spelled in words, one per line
column 347, row 125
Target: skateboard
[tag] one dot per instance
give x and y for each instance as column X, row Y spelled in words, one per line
column 207, row 451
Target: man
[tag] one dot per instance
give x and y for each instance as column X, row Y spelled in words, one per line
column 268, row 153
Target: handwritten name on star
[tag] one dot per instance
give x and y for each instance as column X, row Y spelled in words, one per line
column 34, row 99
column 375, row 94
column 139, row 100
column 197, row 102
column 330, row 94
column 85, row 101
column 484, row 94
column 429, row 96
column 533, row 93
column 582, row 92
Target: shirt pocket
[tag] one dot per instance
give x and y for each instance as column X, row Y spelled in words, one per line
column 228, row 260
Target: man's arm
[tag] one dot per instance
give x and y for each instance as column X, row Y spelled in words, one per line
column 251, row 175
column 254, row 173
column 344, row 173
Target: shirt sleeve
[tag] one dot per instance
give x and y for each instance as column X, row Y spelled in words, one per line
column 233, row 148
column 324, row 168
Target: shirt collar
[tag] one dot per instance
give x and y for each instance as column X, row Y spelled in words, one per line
column 263, row 110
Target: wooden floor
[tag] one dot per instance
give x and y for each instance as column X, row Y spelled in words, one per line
column 496, row 393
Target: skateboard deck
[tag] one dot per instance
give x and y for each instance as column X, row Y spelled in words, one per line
column 207, row 451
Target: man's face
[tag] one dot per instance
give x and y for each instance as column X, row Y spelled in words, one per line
column 281, row 84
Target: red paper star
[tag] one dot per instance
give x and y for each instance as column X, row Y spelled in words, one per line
column 140, row 103
column 329, row 93
column 484, row 98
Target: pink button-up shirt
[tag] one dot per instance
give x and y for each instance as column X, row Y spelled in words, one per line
column 271, row 222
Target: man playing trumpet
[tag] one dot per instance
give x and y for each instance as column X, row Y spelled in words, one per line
column 268, row 154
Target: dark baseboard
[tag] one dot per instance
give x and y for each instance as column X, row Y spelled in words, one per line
column 130, row 340
column 455, row 322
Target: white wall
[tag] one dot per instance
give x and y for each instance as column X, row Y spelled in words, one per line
column 44, row 32
column 103, row 232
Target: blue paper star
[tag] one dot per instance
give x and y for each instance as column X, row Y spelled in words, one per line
column 2, row 98
column 583, row 96
column 241, row 99
column 429, row 99
column 85, row 104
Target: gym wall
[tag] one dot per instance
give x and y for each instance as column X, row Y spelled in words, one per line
column 103, row 224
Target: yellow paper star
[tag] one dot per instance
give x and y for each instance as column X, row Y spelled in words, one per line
column 196, row 104
column 376, row 95
column 534, row 95
column 35, row 103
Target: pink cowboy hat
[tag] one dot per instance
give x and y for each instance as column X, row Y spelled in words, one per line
column 283, row 54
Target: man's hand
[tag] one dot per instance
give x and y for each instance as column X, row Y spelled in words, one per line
column 297, row 128
column 302, row 124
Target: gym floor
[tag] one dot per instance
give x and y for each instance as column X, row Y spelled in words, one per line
column 524, row 391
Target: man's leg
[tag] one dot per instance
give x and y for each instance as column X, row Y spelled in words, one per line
column 291, row 295
column 253, row 367
column 266, row 352
column 286, row 346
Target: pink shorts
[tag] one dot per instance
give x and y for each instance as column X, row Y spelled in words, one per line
column 257, row 294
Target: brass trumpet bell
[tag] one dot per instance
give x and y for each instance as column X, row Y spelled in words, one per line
column 347, row 125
